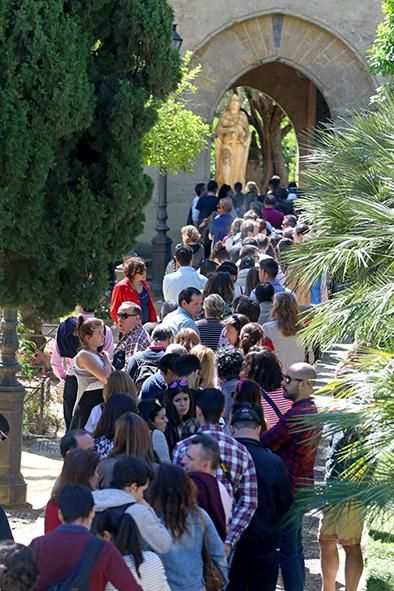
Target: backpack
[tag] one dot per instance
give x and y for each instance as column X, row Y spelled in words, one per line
column 79, row 578
column 119, row 509
column 145, row 370
column 66, row 338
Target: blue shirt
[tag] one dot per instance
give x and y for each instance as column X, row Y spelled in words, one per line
column 220, row 226
column 153, row 386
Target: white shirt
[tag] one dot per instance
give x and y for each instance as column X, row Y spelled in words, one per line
column 288, row 349
column 195, row 212
column 184, row 277
column 153, row 577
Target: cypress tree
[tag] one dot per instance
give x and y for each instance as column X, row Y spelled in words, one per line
column 80, row 84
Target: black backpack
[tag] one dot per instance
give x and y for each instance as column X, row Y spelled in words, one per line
column 80, row 577
column 144, row 370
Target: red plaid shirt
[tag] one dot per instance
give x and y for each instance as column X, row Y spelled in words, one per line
column 241, row 483
column 296, row 447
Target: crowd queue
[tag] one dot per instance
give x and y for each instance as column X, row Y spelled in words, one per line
column 183, row 452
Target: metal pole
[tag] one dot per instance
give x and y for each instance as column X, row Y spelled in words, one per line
column 12, row 393
column 161, row 243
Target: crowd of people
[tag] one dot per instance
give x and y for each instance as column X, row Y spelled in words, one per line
column 183, row 453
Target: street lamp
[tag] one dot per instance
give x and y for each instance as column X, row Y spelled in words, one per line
column 161, row 243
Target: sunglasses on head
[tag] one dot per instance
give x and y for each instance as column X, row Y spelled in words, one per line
column 124, row 315
column 177, row 383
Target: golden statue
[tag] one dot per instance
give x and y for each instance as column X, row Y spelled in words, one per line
column 232, row 144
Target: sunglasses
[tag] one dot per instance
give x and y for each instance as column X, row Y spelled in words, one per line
column 124, row 315
column 3, row 436
column 177, row 383
column 289, row 379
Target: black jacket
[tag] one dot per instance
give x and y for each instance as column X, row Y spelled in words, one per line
column 274, row 495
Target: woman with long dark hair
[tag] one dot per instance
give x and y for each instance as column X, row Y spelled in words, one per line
column 104, row 433
column 155, row 415
column 178, row 400
column 232, row 329
column 172, row 494
column 146, row 567
column 221, row 284
column 263, row 366
column 80, row 467
column 251, row 335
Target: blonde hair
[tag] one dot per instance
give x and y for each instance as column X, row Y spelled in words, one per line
column 190, row 235
column 252, row 187
column 207, row 372
column 119, row 382
column 286, row 312
column 188, row 338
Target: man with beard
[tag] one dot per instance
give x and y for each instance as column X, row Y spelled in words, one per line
column 297, row 446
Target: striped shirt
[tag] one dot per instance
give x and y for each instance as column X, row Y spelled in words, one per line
column 271, row 417
column 210, row 330
column 152, row 573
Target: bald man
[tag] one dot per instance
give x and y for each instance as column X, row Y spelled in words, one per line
column 298, row 449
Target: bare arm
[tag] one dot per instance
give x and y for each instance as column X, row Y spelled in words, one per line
column 93, row 366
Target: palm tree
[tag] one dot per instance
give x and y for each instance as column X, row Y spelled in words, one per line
column 349, row 203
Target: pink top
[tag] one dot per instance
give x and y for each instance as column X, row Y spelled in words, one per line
column 62, row 365
column 281, row 402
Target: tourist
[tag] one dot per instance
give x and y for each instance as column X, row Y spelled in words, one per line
column 188, row 310
column 232, row 269
column 270, row 213
column 263, row 366
column 155, row 385
column 264, row 294
column 146, row 363
column 234, row 234
column 220, row 225
column 132, row 438
column 65, row 348
column 178, row 400
column 232, row 329
column 238, row 198
column 208, row 267
column 252, row 280
column 207, row 203
column 104, row 433
column 279, row 193
column 71, row 549
column 207, row 375
column 210, row 327
column 91, row 367
column 145, row 566
column 193, row 215
column 75, row 439
column 247, row 393
column 134, row 288
column 79, row 467
column 155, row 415
column 219, row 253
column 248, row 307
column 130, row 479
column 184, row 277
column 269, row 272
column 188, row 338
column 173, row 496
column 252, row 193
column 134, row 337
column 201, row 461
column 246, row 264
column 18, row 569
column 236, row 471
column 229, row 363
column 119, row 382
column 191, row 237
column 220, row 283
column 298, row 450
column 289, row 221
column 251, row 335
column 255, row 564
column 300, row 231
column 283, row 330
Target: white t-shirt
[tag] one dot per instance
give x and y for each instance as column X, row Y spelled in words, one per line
column 94, row 418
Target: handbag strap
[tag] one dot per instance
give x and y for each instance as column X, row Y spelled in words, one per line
column 272, row 404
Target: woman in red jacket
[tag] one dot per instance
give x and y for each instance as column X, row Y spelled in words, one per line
column 134, row 288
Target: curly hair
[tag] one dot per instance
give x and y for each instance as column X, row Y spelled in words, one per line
column 132, row 266
column 229, row 363
column 190, row 235
column 286, row 313
column 251, row 334
column 263, row 366
column 173, row 495
column 18, row 569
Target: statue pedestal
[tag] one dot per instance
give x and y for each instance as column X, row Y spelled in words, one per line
column 12, row 394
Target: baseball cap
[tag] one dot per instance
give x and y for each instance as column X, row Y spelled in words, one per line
column 246, row 413
column 247, row 263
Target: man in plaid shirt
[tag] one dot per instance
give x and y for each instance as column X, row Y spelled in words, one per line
column 297, row 446
column 134, row 336
column 236, row 471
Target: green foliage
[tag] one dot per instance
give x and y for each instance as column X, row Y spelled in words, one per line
column 381, row 558
column 79, row 89
column 179, row 134
column 290, row 150
column 382, row 52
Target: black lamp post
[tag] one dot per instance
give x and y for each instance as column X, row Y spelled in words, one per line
column 161, row 243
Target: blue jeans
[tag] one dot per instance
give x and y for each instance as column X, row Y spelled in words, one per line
column 291, row 552
column 315, row 294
